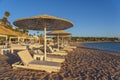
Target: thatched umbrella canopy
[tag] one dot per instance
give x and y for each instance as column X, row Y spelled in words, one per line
column 59, row 33
column 43, row 22
column 22, row 35
column 6, row 31
column 39, row 22
column 4, row 36
column 11, row 32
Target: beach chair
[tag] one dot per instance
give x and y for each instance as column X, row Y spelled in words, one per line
column 39, row 55
column 4, row 49
column 56, row 51
column 69, row 46
column 29, row 63
column 38, row 51
column 32, row 46
column 17, row 47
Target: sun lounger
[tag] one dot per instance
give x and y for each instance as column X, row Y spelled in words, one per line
column 17, row 47
column 73, row 47
column 5, row 50
column 39, row 55
column 3, row 46
column 55, row 58
column 52, row 51
column 35, row 46
column 29, row 63
column 69, row 48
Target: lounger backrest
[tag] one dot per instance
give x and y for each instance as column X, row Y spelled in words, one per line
column 50, row 49
column 38, row 51
column 25, row 57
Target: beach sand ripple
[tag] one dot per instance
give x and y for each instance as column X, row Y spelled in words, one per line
column 90, row 64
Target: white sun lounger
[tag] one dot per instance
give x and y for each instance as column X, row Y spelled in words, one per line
column 5, row 51
column 52, row 51
column 30, row 63
column 17, row 47
column 39, row 55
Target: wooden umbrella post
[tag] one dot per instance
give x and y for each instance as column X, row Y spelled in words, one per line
column 62, row 42
column 44, row 39
column 58, row 43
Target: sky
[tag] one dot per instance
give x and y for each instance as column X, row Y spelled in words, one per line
column 91, row 18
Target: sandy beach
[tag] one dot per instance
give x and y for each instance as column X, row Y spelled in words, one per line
column 82, row 64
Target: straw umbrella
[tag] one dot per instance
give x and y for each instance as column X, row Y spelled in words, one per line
column 59, row 33
column 43, row 22
column 6, row 31
column 11, row 32
column 65, row 36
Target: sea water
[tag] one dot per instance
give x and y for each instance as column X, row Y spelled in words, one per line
column 107, row 46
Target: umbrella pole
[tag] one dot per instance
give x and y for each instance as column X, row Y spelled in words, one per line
column 18, row 40
column 44, row 40
column 6, row 40
column 58, row 42
column 9, row 40
column 62, row 42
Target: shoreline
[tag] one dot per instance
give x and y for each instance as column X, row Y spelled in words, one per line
column 82, row 63
column 81, row 44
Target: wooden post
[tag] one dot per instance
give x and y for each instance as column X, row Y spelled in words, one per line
column 58, row 43
column 62, row 42
column 44, row 39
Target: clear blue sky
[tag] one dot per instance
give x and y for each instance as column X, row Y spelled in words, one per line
column 90, row 17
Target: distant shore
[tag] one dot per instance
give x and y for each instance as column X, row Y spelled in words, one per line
column 82, row 63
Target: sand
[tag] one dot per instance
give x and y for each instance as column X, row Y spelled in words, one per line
column 81, row 64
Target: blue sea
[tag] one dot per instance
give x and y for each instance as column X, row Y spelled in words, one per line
column 107, row 46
